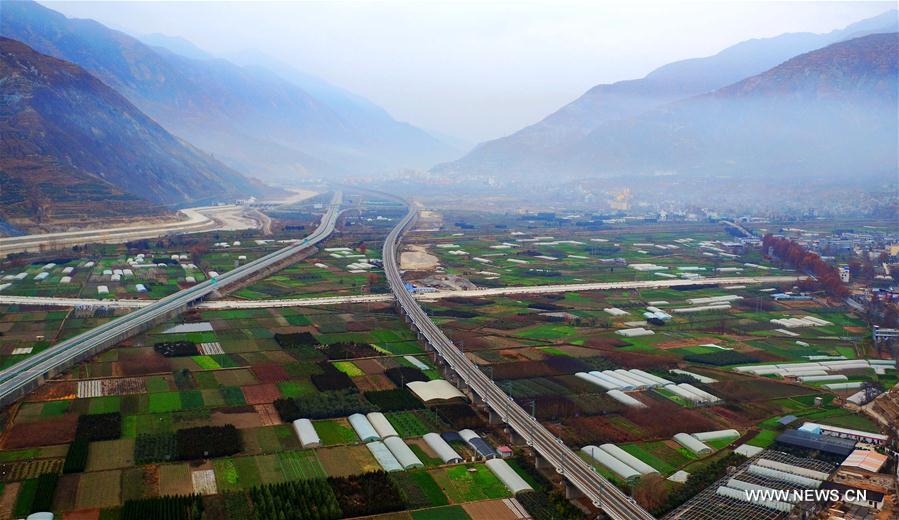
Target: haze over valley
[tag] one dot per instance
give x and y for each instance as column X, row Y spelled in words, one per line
column 438, row 260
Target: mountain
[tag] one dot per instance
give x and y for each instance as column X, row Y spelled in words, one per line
column 829, row 113
column 72, row 147
column 401, row 144
column 536, row 149
column 253, row 120
column 175, row 45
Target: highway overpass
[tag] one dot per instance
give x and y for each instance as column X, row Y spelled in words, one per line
column 30, row 373
column 604, row 495
column 207, row 218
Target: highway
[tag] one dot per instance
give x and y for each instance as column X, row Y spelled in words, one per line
column 30, row 373
column 207, row 218
column 375, row 298
column 604, row 495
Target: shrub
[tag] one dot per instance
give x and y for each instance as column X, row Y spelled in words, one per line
column 697, row 481
column 331, row 379
column 394, row 400
column 205, row 442
column 99, row 427
column 76, row 457
column 728, row 357
column 348, row 350
column 453, row 313
column 46, row 488
column 367, row 494
column 25, row 498
column 155, row 447
column 459, row 416
column 553, row 506
column 324, row 405
column 177, row 349
column 164, row 508
column 296, row 340
column 543, row 306
column 287, row 409
column 402, row 375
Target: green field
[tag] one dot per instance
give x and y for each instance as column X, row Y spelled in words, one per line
column 465, row 483
column 336, row 431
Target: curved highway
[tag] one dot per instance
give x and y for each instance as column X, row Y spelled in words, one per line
column 29, row 373
column 604, row 495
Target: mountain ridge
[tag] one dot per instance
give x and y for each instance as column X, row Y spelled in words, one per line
column 262, row 125
column 534, row 148
column 822, row 112
column 70, row 141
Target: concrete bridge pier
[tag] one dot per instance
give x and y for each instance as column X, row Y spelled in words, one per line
column 514, row 437
column 571, row 491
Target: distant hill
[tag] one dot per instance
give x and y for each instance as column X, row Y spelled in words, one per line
column 74, row 148
column 824, row 114
column 176, row 45
column 538, row 149
column 257, row 122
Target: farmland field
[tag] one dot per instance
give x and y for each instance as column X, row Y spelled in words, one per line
column 258, row 369
column 335, row 431
column 469, row 482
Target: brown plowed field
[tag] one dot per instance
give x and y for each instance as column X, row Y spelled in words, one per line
column 60, row 430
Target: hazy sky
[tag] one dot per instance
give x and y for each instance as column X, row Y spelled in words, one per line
column 475, row 70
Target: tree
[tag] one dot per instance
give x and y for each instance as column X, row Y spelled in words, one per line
column 651, row 492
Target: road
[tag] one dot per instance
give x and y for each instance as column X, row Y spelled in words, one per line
column 31, row 372
column 604, row 495
column 375, row 298
column 198, row 219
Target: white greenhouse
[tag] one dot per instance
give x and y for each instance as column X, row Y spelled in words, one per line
column 384, row 457
column 627, row 378
column 363, row 428
column 716, row 435
column 306, row 433
column 508, row 476
column 652, row 377
column 616, row 466
column 739, row 494
column 381, row 425
column 692, row 443
column 625, row 399
column 590, row 378
column 622, row 385
column 789, row 468
column 783, row 476
column 700, row 392
column 442, row 448
column 627, row 458
column 404, row 455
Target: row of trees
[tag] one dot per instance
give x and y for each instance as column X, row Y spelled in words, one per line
column 696, row 482
column 96, row 427
column 323, row 405
column 367, row 494
column 300, row 500
column 800, row 258
column 205, row 442
column 163, row 508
